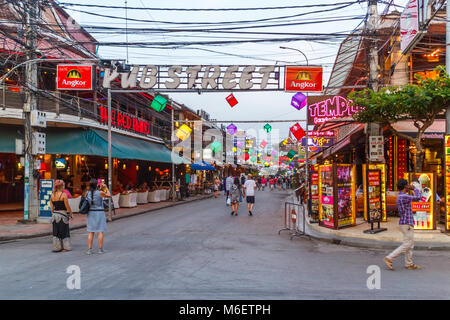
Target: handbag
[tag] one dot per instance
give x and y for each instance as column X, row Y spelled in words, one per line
column 229, row 201
column 84, row 206
column 106, row 204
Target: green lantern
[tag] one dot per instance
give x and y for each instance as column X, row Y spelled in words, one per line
column 159, row 103
column 268, row 128
column 216, row 146
column 291, row 154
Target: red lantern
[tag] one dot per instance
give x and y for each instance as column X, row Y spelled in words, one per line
column 231, row 100
column 246, row 156
column 297, row 131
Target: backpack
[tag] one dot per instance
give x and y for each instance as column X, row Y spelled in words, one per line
column 84, row 206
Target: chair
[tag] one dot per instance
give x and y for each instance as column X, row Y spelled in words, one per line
column 74, row 204
column 154, row 196
column 128, row 200
column 142, row 197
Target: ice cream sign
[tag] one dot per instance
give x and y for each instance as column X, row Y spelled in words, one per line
column 334, row 107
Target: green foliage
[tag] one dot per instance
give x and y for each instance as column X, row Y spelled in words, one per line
column 420, row 103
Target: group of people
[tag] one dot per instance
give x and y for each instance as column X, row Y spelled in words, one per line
column 238, row 188
column 95, row 194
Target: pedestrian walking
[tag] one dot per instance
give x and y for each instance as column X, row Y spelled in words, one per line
column 249, row 190
column 406, row 225
column 284, row 183
column 96, row 219
column 216, row 187
column 259, row 183
column 264, row 182
column 235, row 194
column 61, row 213
column 228, row 184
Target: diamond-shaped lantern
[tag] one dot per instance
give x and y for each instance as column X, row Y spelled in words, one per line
column 231, row 129
column 284, row 142
column 216, row 146
column 253, row 159
column 239, row 143
column 299, row 101
column 231, row 100
column 159, row 103
column 245, row 156
column 268, row 128
column 263, row 144
column 297, row 131
column 291, row 154
column 274, row 153
column 183, row 132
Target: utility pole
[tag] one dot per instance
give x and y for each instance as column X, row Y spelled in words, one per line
column 30, row 195
column 373, row 52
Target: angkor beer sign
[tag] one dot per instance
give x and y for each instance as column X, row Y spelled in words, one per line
column 329, row 108
column 74, row 77
column 304, row 79
column 192, row 78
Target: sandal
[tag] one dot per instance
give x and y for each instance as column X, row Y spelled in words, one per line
column 413, row 267
column 388, row 263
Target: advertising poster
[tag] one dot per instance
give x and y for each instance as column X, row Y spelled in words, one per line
column 345, row 194
column 447, row 182
column 304, row 79
column 374, row 195
column 382, row 169
column 326, row 196
column 315, row 194
column 45, row 192
column 424, row 209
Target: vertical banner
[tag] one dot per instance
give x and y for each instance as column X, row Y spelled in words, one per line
column 45, row 192
column 314, row 195
column 382, row 169
column 345, row 185
column 326, row 196
column 447, row 183
column 374, row 196
column 424, row 213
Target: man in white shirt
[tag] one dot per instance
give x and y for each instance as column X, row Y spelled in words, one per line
column 249, row 189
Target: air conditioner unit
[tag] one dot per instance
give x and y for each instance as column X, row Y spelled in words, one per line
column 38, row 119
column 38, row 143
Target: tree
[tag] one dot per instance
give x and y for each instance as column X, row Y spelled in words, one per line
column 419, row 103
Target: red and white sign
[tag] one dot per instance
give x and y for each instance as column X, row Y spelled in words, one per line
column 409, row 25
column 75, row 77
column 304, row 79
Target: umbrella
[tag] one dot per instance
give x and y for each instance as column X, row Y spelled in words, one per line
column 202, row 165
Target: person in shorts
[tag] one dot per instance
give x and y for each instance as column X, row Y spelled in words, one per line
column 249, row 190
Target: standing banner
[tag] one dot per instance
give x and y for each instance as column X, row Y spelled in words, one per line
column 424, row 210
column 326, row 196
column 45, row 192
column 447, row 183
column 382, row 168
column 314, row 195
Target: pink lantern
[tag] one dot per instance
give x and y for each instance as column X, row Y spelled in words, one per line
column 263, row 144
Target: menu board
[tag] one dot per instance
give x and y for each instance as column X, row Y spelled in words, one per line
column 424, row 209
column 45, row 192
column 374, row 193
column 315, row 194
column 382, row 169
column 345, row 195
column 447, row 182
column 326, row 196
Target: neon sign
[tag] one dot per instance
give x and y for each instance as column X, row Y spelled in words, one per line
column 331, row 108
column 328, row 133
column 124, row 121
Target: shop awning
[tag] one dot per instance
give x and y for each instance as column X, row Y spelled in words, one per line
column 435, row 131
column 202, row 165
column 93, row 142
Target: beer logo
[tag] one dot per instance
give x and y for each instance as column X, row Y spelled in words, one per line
column 303, row 76
column 74, row 74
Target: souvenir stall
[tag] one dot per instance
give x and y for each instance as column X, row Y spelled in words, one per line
column 337, row 201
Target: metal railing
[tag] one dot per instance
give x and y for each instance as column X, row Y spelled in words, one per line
column 294, row 219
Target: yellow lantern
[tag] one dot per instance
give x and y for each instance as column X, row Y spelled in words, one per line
column 137, row 168
column 183, row 132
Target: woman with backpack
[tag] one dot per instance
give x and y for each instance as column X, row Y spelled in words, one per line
column 61, row 213
column 96, row 219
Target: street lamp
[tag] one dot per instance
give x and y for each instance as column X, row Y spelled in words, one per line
column 307, row 137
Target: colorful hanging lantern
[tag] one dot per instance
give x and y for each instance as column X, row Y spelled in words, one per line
column 245, row 156
column 231, row 100
column 274, row 153
column 239, row 143
column 216, row 146
column 263, row 144
column 184, row 132
column 284, row 142
column 234, row 149
column 297, row 131
column 291, row 154
column 268, row 128
column 253, row 159
column 299, row 101
column 159, row 103
column 231, row 129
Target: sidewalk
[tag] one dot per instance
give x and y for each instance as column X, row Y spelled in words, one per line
column 10, row 229
column 389, row 239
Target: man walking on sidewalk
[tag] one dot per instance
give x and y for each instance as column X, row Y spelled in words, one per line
column 249, row 189
column 406, row 225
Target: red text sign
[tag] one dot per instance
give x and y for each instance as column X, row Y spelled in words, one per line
column 124, row 121
column 304, row 79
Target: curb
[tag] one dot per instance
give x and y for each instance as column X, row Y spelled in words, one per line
column 314, row 233
column 82, row 225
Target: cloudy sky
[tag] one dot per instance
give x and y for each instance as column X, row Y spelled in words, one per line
column 252, row 105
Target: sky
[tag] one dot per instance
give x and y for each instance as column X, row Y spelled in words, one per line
column 252, row 105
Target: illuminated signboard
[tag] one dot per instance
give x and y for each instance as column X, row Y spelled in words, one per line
column 305, row 79
column 334, row 107
column 447, row 182
column 366, row 192
column 60, row 163
column 74, row 77
column 318, row 142
column 424, row 209
column 328, row 133
column 124, row 121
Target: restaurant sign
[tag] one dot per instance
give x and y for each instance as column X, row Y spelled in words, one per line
column 304, row 79
column 330, row 108
column 124, row 121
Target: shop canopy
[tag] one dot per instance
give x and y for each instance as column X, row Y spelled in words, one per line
column 202, row 165
column 92, row 142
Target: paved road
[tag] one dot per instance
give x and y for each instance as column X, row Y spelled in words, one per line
column 199, row 251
